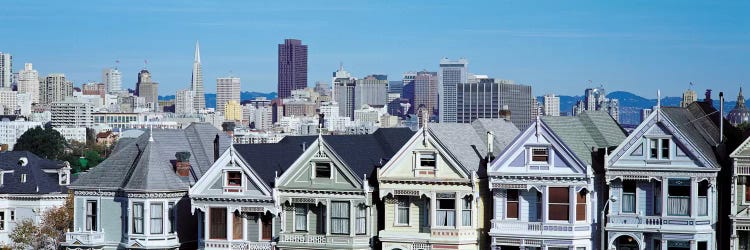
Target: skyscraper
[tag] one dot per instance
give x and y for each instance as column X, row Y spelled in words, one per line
column 343, row 91
column 370, row 90
column 196, row 84
column 425, row 86
column 292, row 67
column 551, row 105
column 407, row 89
column 6, row 70
column 28, row 82
column 518, row 99
column 112, row 79
column 596, row 99
column 148, row 89
column 183, row 104
column 476, row 100
column 227, row 89
column 451, row 74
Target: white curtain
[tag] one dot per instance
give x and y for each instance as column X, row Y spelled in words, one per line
column 339, row 217
column 91, row 216
column 446, row 218
column 157, row 218
column 138, row 218
column 702, row 205
column 403, row 210
column 628, row 202
column 679, row 205
column 300, row 217
column 361, row 219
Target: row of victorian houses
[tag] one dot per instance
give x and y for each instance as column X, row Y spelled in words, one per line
column 575, row 183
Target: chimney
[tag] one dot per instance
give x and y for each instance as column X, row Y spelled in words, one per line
column 708, row 99
column 216, row 147
column 182, row 168
column 505, row 113
column 228, row 127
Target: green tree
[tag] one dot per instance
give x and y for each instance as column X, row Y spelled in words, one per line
column 45, row 143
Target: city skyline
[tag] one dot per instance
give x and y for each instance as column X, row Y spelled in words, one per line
column 631, row 48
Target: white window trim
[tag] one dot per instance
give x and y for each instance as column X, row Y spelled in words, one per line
column 530, row 154
column 505, row 215
column 622, row 193
column 418, row 159
column 408, row 212
column 659, row 156
column 314, row 171
column 294, row 218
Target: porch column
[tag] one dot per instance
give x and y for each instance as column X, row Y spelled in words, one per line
column 230, row 226
column 352, row 219
column 244, row 226
column 693, row 245
column 433, row 213
column 206, row 223
column 545, row 201
column 693, row 197
column 664, row 195
column 457, row 210
column 663, row 244
column 572, row 204
column 328, row 217
column 710, row 199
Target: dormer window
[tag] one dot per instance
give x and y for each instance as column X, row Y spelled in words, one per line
column 659, row 149
column 234, row 178
column 540, row 155
column 427, row 160
column 322, row 170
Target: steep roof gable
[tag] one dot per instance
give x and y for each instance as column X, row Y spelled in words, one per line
column 230, row 160
column 423, row 140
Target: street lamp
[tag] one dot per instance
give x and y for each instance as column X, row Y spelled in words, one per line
column 601, row 222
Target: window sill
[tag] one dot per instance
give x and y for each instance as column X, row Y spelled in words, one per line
column 401, row 225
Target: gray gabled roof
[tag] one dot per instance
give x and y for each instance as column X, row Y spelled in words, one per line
column 696, row 127
column 467, row 142
column 148, row 165
column 590, row 129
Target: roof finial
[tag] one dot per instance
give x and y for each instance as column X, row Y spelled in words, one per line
column 658, row 99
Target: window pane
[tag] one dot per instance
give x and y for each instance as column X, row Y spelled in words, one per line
column 157, row 218
column 581, row 206
column 512, row 203
column 446, row 204
column 323, row 170
column 171, row 213
column 218, row 226
column 558, row 212
column 665, row 148
column 403, row 209
column 234, row 178
column 361, row 219
column 138, row 218
column 653, row 146
column 300, row 217
column 340, row 217
column 558, row 195
column 427, row 160
column 540, row 154
column 237, row 227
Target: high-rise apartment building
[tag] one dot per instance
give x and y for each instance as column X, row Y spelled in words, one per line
column 371, row 90
column 292, row 69
column 112, row 79
column 55, row 88
column 596, row 99
column 343, row 91
column 407, row 88
column 425, row 86
column 452, row 73
column 72, row 113
column 6, row 70
column 688, row 97
column 551, row 105
column 183, row 102
column 518, row 99
column 28, row 82
column 227, row 89
column 196, row 84
column 232, row 111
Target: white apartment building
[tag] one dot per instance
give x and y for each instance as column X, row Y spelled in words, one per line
column 72, row 113
column 227, row 89
column 183, row 102
column 10, row 131
column 551, row 105
column 73, row 133
column 28, row 82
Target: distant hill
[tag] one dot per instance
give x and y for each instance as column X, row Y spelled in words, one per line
column 632, row 104
column 211, row 97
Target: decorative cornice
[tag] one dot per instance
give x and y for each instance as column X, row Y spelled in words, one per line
column 129, row 195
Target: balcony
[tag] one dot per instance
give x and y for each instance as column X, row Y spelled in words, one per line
column 236, row 245
column 511, row 227
column 154, row 240
column 330, row 241
column 84, row 239
column 634, row 221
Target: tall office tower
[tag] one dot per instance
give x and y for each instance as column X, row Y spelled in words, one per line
column 148, row 89
column 407, row 89
column 183, row 102
column 594, row 97
column 371, row 90
column 451, row 74
column 425, row 92
column 551, row 105
column 6, row 70
column 112, row 79
column 395, row 87
column 688, row 97
column 28, row 82
column 292, row 67
column 196, row 84
column 55, row 88
column 227, row 89
column 143, row 77
column 518, row 99
column 476, row 100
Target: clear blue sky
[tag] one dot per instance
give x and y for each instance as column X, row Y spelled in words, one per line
column 556, row 46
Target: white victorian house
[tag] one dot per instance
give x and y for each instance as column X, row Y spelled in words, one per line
column 662, row 181
column 740, row 207
column 543, row 183
column 235, row 206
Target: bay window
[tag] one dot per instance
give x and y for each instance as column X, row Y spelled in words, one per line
column 300, row 217
column 628, row 196
column 581, row 205
column 157, row 218
column 137, row 218
column 361, row 219
column 446, row 210
column 339, row 217
column 679, row 197
column 91, row 214
column 466, row 212
column 559, row 202
column 402, row 210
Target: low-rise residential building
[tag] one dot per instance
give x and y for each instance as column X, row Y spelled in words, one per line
column 72, row 133
column 138, row 197
column 543, row 184
column 662, row 183
column 29, row 185
column 10, row 131
column 432, row 193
